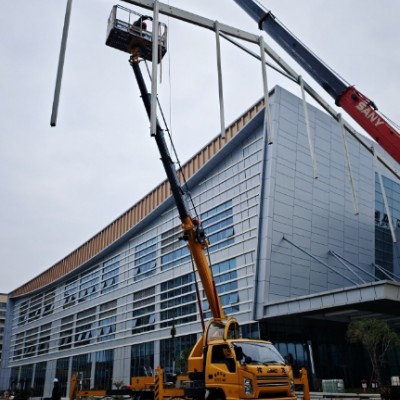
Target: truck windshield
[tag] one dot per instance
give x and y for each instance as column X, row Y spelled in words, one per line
column 258, row 353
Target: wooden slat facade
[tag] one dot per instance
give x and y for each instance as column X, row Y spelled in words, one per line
column 135, row 214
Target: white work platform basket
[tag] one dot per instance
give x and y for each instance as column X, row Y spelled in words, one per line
column 132, row 33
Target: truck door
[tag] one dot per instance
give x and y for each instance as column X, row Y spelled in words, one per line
column 221, row 370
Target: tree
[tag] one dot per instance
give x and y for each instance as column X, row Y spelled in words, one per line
column 181, row 363
column 377, row 337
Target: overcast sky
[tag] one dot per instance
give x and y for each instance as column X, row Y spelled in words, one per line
column 60, row 186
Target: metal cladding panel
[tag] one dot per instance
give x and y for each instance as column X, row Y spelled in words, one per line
column 315, row 214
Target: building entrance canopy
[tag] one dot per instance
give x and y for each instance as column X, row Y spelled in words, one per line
column 379, row 300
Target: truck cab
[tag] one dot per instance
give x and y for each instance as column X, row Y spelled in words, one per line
column 247, row 368
column 224, row 366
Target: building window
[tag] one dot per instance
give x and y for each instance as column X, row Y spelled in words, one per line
column 176, row 350
column 70, row 293
column 23, row 312
column 62, row 368
column 107, row 321
column 19, row 346
column 35, row 308
column 44, row 339
column 178, row 301
column 250, row 331
column 66, row 333
column 103, row 373
column 107, row 328
column 14, row 378
column 145, row 259
column 40, row 378
column 225, row 278
column 89, row 285
column 110, row 274
column 84, row 327
column 31, row 339
column 142, row 359
column 173, row 250
column 218, row 224
column 384, row 251
column 232, row 300
column 48, row 302
column 143, row 314
column 25, row 379
column 82, row 365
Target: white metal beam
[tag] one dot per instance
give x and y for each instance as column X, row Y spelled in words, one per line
column 249, row 37
column 220, row 85
column 267, row 112
column 308, row 128
column 194, row 19
column 154, row 65
column 60, row 68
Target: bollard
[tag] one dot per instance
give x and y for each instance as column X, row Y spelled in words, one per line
column 364, row 385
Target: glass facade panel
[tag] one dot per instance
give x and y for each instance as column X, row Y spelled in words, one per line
column 70, row 293
column 218, row 224
column 31, row 338
column 48, row 302
column 89, row 285
column 84, row 330
column 295, row 353
column 23, row 312
column 110, row 273
column 143, row 314
column 82, row 367
column 225, row 278
column 107, row 328
column 44, row 339
column 62, row 374
column 384, row 249
column 14, row 376
column 36, row 307
column 178, row 301
column 146, row 259
column 66, row 333
column 40, row 378
column 25, row 378
column 104, row 370
column 142, row 359
column 19, row 346
column 175, row 352
column 107, row 321
column 173, row 250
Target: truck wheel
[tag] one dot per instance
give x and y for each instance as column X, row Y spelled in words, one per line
column 216, row 396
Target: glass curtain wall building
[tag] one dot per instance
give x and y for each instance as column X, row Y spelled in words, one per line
column 3, row 308
column 286, row 248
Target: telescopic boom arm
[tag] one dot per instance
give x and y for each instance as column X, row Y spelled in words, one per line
column 193, row 233
column 357, row 105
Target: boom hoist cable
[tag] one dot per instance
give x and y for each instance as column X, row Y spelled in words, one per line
column 189, row 196
column 175, row 153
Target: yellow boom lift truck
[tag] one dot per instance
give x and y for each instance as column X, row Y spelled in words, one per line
column 222, row 365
